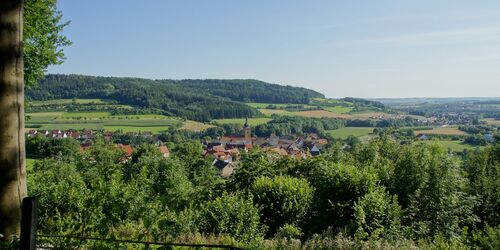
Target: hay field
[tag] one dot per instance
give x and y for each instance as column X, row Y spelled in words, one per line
column 441, row 131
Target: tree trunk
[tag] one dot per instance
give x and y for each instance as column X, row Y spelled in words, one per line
column 12, row 155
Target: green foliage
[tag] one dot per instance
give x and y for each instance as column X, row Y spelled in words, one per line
column 337, row 187
column 42, row 38
column 41, row 146
column 490, row 239
column 251, row 166
column 431, row 187
column 288, row 231
column 377, row 214
column 483, row 169
column 283, row 199
column 232, row 214
column 284, row 125
column 378, row 195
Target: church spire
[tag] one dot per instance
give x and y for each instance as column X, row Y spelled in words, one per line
column 246, row 123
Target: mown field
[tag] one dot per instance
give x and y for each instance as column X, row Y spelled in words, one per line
column 441, row 131
column 491, row 121
column 270, row 112
column 323, row 108
column 343, row 133
column 338, row 109
column 251, row 121
column 106, row 121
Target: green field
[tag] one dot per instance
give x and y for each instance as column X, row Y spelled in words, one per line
column 251, row 121
column 343, row 133
column 457, row 146
column 338, row 109
column 102, row 120
column 269, row 112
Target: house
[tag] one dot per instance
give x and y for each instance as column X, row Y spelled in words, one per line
column 126, row 148
column 422, row 137
column 224, row 168
column 315, row 151
column 164, row 151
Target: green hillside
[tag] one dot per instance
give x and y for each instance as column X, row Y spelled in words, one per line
column 200, row 100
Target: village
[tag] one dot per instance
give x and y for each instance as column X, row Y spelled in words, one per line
column 225, row 150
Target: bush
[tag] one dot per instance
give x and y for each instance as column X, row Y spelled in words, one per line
column 232, row 214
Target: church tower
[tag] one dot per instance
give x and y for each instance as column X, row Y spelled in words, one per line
column 247, row 131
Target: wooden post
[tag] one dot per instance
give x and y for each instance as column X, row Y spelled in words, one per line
column 12, row 154
column 29, row 224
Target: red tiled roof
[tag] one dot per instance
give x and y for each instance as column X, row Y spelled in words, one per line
column 164, row 150
column 126, row 148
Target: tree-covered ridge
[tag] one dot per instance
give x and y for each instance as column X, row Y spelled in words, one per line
column 167, row 98
column 250, row 90
column 200, row 100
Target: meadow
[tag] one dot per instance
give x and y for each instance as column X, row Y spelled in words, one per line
column 338, row 109
column 251, row 121
column 105, row 121
column 321, row 114
column 343, row 133
column 441, row 131
column 492, row 121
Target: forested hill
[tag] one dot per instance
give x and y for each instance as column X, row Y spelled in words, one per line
column 252, row 90
column 200, row 100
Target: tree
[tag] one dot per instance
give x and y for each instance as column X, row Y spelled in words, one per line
column 284, row 199
column 232, row 214
column 42, row 42
column 377, row 214
column 12, row 163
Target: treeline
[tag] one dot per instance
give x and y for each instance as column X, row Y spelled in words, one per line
column 377, row 195
column 200, row 100
column 286, row 125
column 363, row 104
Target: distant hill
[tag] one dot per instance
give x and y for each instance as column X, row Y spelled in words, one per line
column 200, row 100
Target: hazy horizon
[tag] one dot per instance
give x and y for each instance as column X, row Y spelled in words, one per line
column 364, row 49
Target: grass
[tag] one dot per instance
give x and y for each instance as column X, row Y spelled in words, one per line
column 85, row 114
column 492, row 121
column 338, row 109
column 275, row 111
column 125, row 129
column 343, row 133
column 251, row 121
column 441, row 131
column 104, row 120
column 320, row 114
column 195, row 126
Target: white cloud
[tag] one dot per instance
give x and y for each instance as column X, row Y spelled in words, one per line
column 456, row 36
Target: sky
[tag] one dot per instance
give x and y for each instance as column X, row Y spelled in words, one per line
column 368, row 49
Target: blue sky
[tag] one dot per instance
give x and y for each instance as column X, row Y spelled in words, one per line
column 425, row 48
